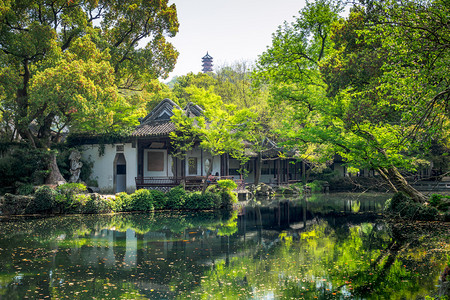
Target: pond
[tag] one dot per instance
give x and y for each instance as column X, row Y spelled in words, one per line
column 325, row 247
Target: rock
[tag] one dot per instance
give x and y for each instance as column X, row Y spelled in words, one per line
column 263, row 189
column 93, row 189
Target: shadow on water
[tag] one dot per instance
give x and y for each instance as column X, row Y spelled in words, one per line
column 326, row 246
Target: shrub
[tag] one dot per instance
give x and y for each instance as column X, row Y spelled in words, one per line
column 95, row 204
column 65, row 199
column 228, row 198
column 191, row 200
column 316, row 186
column 175, row 197
column 23, row 164
column 197, row 201
column 17, row 204
column 122, row 202
column 402, row 206
column 141, row 200
column 226, row 184
column 441, row 202
column 71, row 188
column 159, row 199
column 25, row 189
column 44, row 199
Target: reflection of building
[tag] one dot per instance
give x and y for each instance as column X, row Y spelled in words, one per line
column 207, row 63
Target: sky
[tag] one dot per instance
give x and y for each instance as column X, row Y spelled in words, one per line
column 229, row 30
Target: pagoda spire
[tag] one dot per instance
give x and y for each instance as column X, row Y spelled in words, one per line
column 207, row 63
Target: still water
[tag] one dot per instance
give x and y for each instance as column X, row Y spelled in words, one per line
column 328, row 247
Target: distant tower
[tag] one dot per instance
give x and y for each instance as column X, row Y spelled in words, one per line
column 207, row 63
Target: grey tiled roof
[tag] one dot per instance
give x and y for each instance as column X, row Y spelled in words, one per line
column 154, row 129
column 157, row 122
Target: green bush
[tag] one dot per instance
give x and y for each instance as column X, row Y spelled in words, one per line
column 226, row 184
column 22, row 164
column 94, row 204
column 122, row 202
column 197, row 201
column 316, row 186
column 141, row 200
column 159, row 199
column 65, row 199
column 44, row 199
column 71, row 188
column 228, row 198
column 17, row 204
column 441, row 202
column 25, row 189
column 175, row 197
column 402, row 206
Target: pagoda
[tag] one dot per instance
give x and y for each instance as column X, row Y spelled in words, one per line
column 207, row 63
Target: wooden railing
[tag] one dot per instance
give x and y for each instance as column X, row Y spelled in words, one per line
column 142, row 182
column 189, row 181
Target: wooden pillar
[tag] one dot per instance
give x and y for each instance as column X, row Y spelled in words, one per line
column 201, row 162
column 140, row 169
column 287, row 171
column 278, row 163
column 227, row 165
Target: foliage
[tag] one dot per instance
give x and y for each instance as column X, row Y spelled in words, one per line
column 44, row 199
column 199, row 201
column 94, row 204
column 72, row 70
column 25, row 189
column 219, row 129
column 159, row 199
column 371, row 88
column 175, row 197
column 227, row 184
column 441, row 202
column 403, row 207
column 122, row 202
column 22, row 164
column 141, row 200
column 317, row 186
column 65, row 198
column 17, row 204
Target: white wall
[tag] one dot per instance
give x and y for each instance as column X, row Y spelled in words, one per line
column 103, row 169
column 148, row 173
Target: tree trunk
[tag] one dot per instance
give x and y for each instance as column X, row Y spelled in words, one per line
column 399, row 183
column 55, row 175
column 258, row 169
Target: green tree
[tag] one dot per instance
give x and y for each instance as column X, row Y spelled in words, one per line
column 68, row 63
column 361, row 92
column 219, row 129
column 234, row 84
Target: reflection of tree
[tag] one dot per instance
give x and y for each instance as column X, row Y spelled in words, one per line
column 355, row 261
column 192, row 258
column 72, row 255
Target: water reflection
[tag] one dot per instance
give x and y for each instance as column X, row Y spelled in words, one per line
column 270, row 249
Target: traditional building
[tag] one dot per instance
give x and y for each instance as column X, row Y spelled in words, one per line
column 207, row 63
column 146, row 158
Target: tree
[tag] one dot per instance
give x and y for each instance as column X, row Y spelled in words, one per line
column 351, row 101
column 66, row 64
column 219, row 129
column 234, row 84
